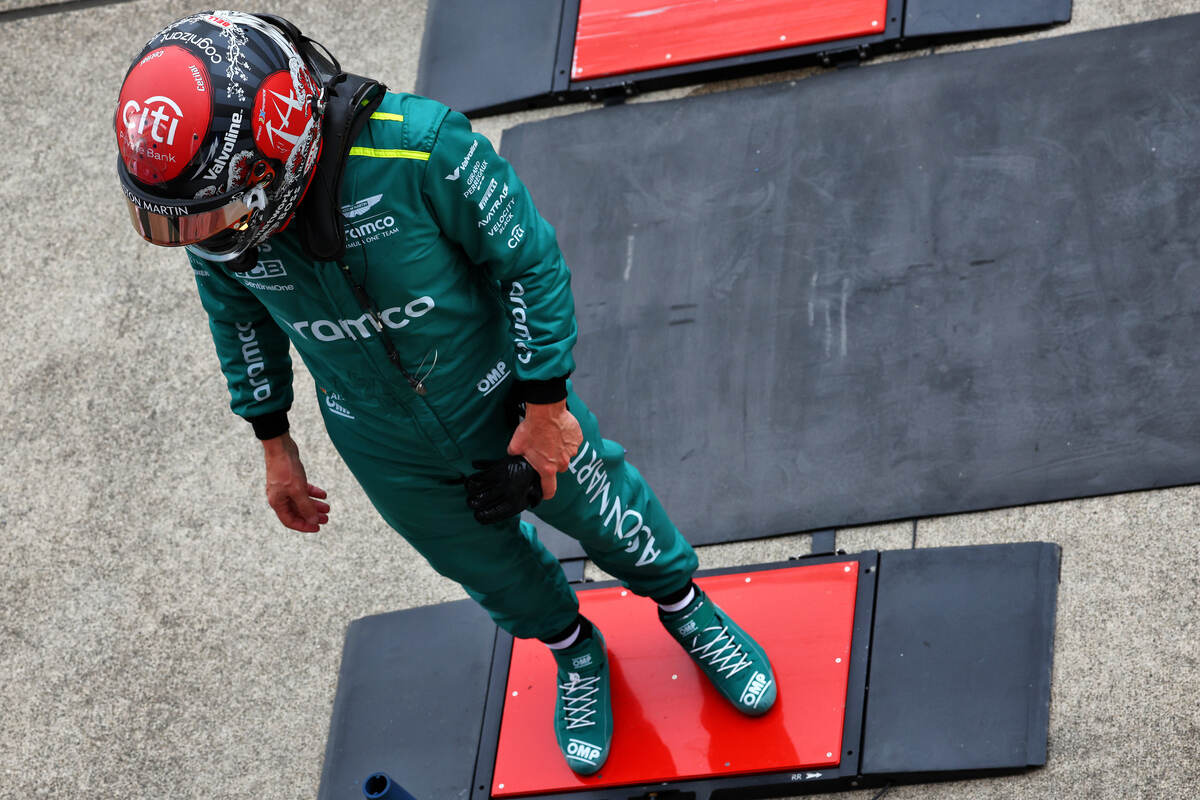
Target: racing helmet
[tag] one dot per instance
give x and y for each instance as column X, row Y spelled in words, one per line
column 218, row 130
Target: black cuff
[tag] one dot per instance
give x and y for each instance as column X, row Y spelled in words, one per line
column 550, row 391
column 269, row 425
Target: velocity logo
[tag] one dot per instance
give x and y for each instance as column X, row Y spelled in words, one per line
column 360, row 207
column 453, row 176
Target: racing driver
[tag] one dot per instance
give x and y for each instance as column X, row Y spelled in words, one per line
column 406, row 263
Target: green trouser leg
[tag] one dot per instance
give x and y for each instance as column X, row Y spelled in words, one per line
column 601, row 500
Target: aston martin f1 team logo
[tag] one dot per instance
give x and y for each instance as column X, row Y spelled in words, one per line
column 357, row 209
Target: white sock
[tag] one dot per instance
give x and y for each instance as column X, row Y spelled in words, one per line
column 682, row 604
column 567, row 642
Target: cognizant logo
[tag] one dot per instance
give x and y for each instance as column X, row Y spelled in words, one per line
column 396, row 317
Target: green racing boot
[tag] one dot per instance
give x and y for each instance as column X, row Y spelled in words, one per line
column 733, row 661
column 583, row 722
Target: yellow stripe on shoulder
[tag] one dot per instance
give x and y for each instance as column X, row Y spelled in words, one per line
column 373, row 152
column 388, row 115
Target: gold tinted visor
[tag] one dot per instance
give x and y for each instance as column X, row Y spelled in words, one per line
column 174, row 230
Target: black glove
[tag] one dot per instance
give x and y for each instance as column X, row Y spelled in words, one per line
column 502, row 489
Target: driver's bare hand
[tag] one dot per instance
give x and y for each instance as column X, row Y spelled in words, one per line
column 548, row 437
column 298, row 504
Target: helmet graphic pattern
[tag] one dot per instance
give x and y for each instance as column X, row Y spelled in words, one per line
column 219, row 101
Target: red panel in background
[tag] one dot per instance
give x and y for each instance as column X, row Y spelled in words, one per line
column 669, row 723
column 614, row 37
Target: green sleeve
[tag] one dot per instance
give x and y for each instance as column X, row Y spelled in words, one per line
column 251, row 347
column 481, row 204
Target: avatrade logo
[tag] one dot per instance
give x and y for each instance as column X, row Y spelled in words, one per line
column 494, row 378
column 361, row 207
column 453, row 176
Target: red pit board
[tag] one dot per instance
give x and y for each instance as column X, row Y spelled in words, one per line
column 615, row 37
column 669, row 723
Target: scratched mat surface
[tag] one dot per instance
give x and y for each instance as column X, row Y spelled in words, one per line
column 945, row 284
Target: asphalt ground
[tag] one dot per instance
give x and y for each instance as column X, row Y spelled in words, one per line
column 162, row 635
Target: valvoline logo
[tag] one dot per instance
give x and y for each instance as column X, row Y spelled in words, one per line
column 163, row 113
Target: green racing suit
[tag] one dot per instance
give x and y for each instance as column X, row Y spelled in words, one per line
column 474, row 293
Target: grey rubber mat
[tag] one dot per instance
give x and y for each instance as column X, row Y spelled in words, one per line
column 925, row 287
column 410, row 701
column 946, row 697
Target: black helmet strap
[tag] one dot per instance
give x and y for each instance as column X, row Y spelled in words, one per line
column 350, row 102
column 347, row 101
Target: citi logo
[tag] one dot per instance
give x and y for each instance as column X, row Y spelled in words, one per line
column 154, row 114
column 579, row 662
column 361, row 207
column 453, row 176
column 265, row 269
column 582, row 751
column 497, row 376
column 755, row 688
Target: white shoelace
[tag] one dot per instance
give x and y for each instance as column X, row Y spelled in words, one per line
column 721, row 656
column 579, row 699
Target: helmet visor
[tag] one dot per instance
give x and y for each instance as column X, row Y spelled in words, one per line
column 165, row 225
column 173, row 223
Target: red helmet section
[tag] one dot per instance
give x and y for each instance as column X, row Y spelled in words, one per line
column 163, row 113
column 282, row 110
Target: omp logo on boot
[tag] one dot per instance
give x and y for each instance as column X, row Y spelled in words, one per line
column 579, row 662
column 755, row 688
column 688, row 627
column 494, row 378
column 360, row 207
column 582, row 751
